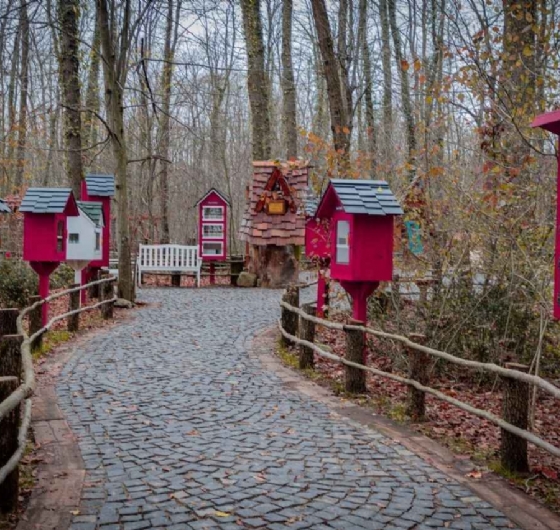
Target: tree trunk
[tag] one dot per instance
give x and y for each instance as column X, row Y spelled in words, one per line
column 256, row 79
column 12, row 110
column 24, row 77
column 68, row 12
column 387, row 79
column 288, row 84
column 92, row 94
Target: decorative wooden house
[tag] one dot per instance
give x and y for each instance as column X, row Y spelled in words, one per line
column 46, row 212
column 213, row 211
column 361, row 214
column 550, row 121
column 273, row 224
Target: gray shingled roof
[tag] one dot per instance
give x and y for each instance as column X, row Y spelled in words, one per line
column 94, row 210
column 100, row 185
column 4, row 208
column 45, row 200
column 372, row 197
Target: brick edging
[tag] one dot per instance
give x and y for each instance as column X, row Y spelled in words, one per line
column 513, row 503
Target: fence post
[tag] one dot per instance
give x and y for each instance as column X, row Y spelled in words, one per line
column 73, row 321
column 108, row 293
column 355, row 378
column 418, row 364
column 289, row 318
column 175, row 279
column 10, row 372
column 307, row 332
column 35, row 323
column 515, row 410
column 93, row 290
column 8, row 319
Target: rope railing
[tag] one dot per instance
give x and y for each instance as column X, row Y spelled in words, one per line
column 504, row 372
column 25, row 390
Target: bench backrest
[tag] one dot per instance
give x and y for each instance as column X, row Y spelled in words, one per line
column 168, row 257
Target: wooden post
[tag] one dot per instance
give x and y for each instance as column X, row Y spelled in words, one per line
column 236, row 267
column 10, row 374
column 176, row 279
column 355, row 378
column 418, row 363
column 307, row 332
column 35, row 323
column 212, row 273
column 73, row 321
column 108, row 293
column 515, row 410
column 8, row 318
column 93, row 291
column 289, row 318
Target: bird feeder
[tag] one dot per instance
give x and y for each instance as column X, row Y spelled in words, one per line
column 212, row 229
column 550, row 121
column 360, row 213
column 45, row 214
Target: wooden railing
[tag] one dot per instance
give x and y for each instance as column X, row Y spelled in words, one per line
column 297, row 326
column 17, row 386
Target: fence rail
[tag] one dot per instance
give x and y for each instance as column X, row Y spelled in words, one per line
column 289, row 304
column 25, row 390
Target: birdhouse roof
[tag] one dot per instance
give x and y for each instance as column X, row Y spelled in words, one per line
column 550, row 121
column 370, row 197
column 260, row 228
column 49, row 200
column 94, row 210
column 4, row 208
column 209, row 192
column 100, row 185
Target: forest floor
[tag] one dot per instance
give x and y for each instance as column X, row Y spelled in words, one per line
column 461, row 432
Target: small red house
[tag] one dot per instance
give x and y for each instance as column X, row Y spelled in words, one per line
column 361, row 215
column 550, row 122
column 213, row 211
column 45, row 213
column 101, row 188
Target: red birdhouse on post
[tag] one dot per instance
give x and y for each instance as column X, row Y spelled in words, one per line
column 550, row 121
column 361, row 215
column 45, row 213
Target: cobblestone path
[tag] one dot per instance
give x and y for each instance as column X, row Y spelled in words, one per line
column 179, row 428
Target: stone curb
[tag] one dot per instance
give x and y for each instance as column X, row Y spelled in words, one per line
column 513, row 503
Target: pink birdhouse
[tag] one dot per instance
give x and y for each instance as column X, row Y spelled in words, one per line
column 45, row 212
column 361, row 215
column 212, row 226
column 550, row 121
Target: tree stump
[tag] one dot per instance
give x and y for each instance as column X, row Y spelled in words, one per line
column 35, row 323
column 355, row 378
column 289, row 318
column 515, row 410
column 73, row 321
column 8, row 321
column 107, row 293
column 10, row 373
column 418, row 364
column 307, row 332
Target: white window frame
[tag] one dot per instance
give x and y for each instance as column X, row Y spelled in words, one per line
column 204, row 208
column 340, row 247
column 97, row 240
column 213, row 237
column 77, row 234
column 221, row 243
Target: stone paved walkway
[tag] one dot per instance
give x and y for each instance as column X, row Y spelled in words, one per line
column 180, row 428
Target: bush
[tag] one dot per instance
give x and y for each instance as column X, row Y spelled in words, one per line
column 62, row 277
column 17, row 283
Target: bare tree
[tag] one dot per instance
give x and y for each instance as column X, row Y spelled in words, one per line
column 24, row 76
column 288, row 84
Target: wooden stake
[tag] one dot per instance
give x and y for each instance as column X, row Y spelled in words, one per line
column 418, row 363
column 515, row 410
column 107, row 293
column 307, row 332
column 93, row 290
column 355, row 379
column 35, row 323
column 8, row 318
column 10, row 372
column 289, row 319
column 73, row 321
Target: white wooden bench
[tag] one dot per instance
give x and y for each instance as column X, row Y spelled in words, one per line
column 168, row 258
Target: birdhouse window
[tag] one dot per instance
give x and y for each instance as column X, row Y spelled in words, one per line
column 212, row 249
column 60, row 236
column 213, row 231
column 213, row 213
column 97, row 241
column 74, row 239
column 342, row 242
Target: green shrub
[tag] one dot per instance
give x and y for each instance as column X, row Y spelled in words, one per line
column 17, row 283
column 62, row 277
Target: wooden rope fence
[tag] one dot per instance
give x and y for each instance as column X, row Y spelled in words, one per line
column 352, row 366
column 24, row 391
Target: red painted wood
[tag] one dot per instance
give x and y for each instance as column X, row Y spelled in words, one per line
column 44, row 269
column 317, row 238
column 213, row 199
column 360, row 292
